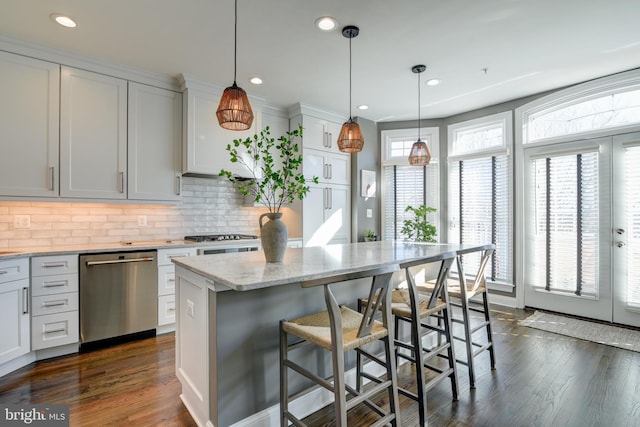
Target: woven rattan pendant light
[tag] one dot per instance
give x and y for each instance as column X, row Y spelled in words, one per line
column 350, row 139
column 420, row 154
column 234, row 111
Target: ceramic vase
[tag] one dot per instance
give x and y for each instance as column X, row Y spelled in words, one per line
column 274, row 236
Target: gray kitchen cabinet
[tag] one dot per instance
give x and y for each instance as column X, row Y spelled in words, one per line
column 154, row 143
column 166, row 284
column 204, row 141
column 14, row 309
column 54, row 301
column 93, row 135
column 326, row 215
column 29, row 111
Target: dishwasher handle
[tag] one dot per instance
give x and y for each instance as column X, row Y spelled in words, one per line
column 119, row 261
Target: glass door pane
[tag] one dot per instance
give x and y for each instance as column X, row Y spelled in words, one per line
column 626, row 230
column 567, row 216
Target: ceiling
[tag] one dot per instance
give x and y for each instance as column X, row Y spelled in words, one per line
column 485, row 52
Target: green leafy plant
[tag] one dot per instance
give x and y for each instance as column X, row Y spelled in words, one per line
column 272, row 183
column 370, row 235
column 418, row 228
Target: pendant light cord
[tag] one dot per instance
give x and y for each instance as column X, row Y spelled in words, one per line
column 350, row 117
column 235, row 43
column 418, row 106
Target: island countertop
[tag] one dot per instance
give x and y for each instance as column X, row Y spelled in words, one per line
column 248, row 270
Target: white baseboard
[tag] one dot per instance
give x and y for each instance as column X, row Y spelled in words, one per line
column 17, row 363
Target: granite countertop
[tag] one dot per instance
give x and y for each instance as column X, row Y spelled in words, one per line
column 248, row 270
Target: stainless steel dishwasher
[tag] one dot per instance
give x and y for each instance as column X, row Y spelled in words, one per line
column 118, row 295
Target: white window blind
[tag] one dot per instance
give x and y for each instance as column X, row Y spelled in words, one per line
column 481, row 193
column 404, row 185
column 566, row 223
column 632, row 195
column 408, row 186
column 481, row 211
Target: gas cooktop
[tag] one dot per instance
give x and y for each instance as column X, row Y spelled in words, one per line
column 219, row 237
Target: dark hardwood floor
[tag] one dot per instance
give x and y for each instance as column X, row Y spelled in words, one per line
column 542, row 379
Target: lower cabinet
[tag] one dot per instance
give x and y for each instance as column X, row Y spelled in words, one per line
column 54, row 301
column 326, row 215
column 167, row 282
column 14, row 309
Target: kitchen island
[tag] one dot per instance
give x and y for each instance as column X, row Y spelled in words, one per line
column 228, row 309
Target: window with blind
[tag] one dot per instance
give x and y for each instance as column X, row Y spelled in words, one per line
column 632, row 219
column 480, row 192
column 404, row 185
column 566, row 223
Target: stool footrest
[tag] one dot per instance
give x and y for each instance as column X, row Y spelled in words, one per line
column 304, row 372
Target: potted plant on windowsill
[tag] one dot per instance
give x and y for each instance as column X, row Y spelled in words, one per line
column 275, row 180
column 370, row 236
column 418, row 228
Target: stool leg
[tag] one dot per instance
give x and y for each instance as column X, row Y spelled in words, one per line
column 359, row 359
column 284, row 382
column 466, row 320
column 394, row 404
column 450, row 351
column 487, row 317
column 416, row 340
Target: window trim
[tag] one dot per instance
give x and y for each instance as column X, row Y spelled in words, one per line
column 617, row 83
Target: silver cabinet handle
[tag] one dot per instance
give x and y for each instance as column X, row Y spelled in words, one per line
column 324, row 198
column 122, row 182
column 178, row 185
column 54, row 284
column 330, row 198
column 53, row 264
column 330, row 139
column 25, row 300
column 119, row 261
column 171, row 309
column 53, row 331
column 54, row 304
column 330, row 171
column 171, row 280
column 3, row 271
column 53, row 182
column 324, row 140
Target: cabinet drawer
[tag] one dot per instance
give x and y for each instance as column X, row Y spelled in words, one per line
column 166, row 310
column 166, row 280
column 56, row 284
column 52, row 330
column 165, row 255
column 57, row 303
column 56, row 264
column 14, row 269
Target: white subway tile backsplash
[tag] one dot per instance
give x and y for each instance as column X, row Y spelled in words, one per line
column 207, row 206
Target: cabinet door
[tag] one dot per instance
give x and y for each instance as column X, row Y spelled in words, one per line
column 338, row 168
column 206, row 141
column 29, row 119
column 313, row 164
column 154, row 143
column 313, row 210
column 333, row 132
column 337, row 215
column 326, row 215
column 313, row 133
column 14, row 318
column 93, row 135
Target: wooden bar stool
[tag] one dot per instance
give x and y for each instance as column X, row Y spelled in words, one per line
column 338, row 330
column 415, row 309
column 462, row 293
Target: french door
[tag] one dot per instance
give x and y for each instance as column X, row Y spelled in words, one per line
column 582, row 228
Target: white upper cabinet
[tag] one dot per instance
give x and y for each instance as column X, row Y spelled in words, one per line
column 154, row 143
column 319, row 134
column 93, row 135
column 29, row 111
column 328, row 167
column 205, row 141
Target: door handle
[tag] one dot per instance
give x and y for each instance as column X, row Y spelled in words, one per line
column 25, row 300
column 178, row 185
column 53, row 182
column 620, row 244
column 620, row 230
column 122, row 182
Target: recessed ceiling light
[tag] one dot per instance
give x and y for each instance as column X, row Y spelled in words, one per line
column 363, row 107
column 64, row 20
column 256, row 80
column 433, row 82
column 326, row 23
